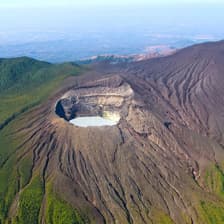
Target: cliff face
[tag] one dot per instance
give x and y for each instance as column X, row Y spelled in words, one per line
column 163, row 162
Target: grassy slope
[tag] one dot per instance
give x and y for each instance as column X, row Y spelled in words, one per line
column 209, row 211
column 60, row 212
column 30, row 203
column 25, row 83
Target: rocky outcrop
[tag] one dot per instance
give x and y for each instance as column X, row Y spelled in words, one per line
column 107, row 97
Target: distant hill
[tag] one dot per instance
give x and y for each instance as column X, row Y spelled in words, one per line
column 24, row 81
column 151, row 52
column 17, row 71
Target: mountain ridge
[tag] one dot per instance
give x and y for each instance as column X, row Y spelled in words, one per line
column 163, row 162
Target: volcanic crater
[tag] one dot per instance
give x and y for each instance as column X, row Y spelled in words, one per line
column 108, row 98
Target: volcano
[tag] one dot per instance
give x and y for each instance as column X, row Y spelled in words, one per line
column 162, row 162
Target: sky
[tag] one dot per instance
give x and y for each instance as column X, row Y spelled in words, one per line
column 45, row 3
column 106, row 24
column 15, row 15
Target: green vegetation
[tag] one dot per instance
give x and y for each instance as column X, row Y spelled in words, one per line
column 17, row 71
column 25, row 82
column 164, row 219
column 9, row 178
column 159, row 217
column 60, row 212
column 30, row 202
column 214, row 180
column 13, row 175
column 211, row 213
column 8, row 188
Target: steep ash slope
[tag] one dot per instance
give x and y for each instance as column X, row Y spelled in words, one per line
column 163, row 162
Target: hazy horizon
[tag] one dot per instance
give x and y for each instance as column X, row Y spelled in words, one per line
column 87, row 28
